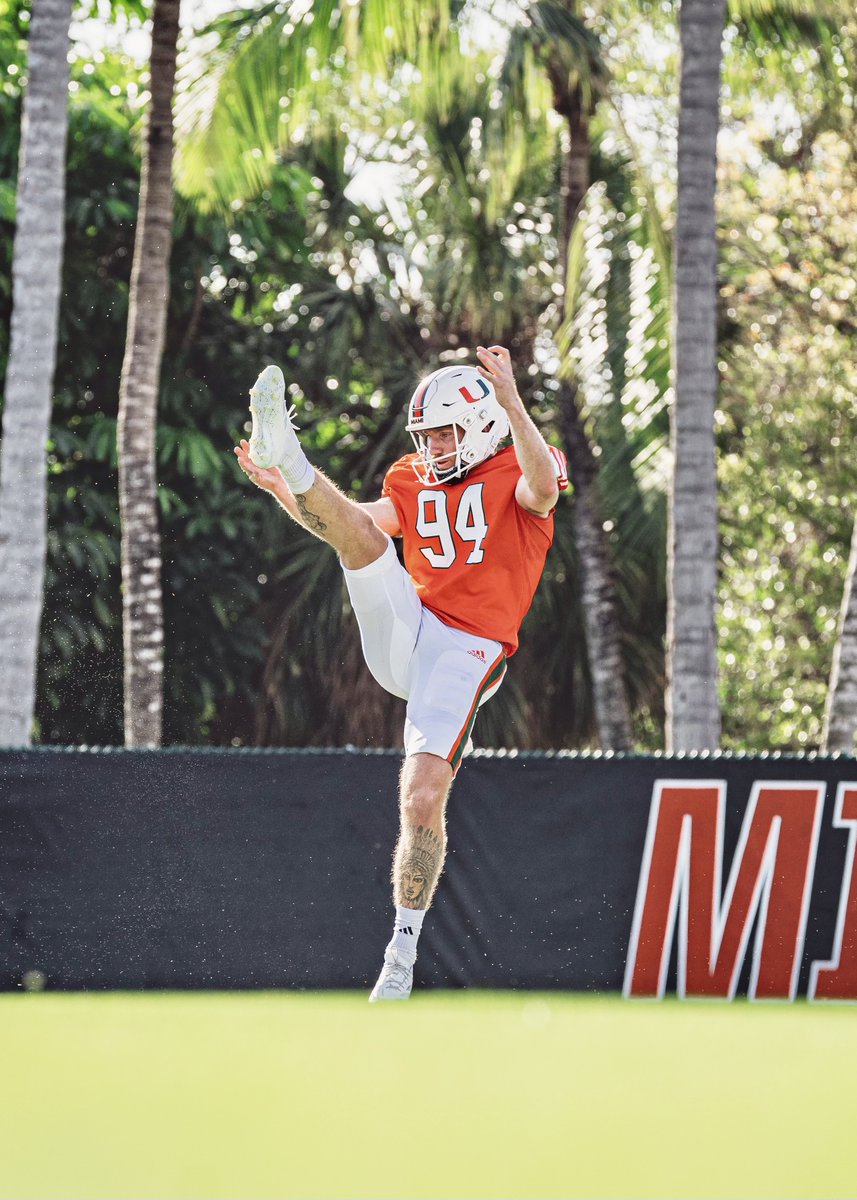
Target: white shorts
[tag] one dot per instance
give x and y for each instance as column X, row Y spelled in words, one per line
column 443, row 673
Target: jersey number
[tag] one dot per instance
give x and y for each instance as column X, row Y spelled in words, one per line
column 470, row 525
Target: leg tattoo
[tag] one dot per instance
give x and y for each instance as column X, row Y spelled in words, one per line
column 417, row 866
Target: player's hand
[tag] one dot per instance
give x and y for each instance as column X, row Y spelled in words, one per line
column 266, row 478
column 495, row 365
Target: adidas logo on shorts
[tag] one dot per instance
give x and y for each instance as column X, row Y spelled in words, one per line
column 480, row 654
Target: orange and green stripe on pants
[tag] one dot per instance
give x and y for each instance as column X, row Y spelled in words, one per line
column 493, row 675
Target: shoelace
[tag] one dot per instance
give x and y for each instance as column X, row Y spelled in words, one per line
column 290, row 417
column 398, row 978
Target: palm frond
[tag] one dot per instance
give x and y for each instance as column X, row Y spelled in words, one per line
column 655, row 233
column 551, row 55
column 615, row 343
column 522, row 79
column 272, row 71
column 800, row 19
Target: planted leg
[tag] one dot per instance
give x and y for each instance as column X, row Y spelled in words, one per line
column 417, row 865
column 418, row 862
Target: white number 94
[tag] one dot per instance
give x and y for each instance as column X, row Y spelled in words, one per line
column 470, row 525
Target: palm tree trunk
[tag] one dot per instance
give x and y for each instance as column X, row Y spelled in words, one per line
column 138, row 399
column 840, row 714
column 36, row 272
column 693, row 710
column 603, row 639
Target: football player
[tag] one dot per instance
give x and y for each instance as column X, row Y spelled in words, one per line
column 476, row 521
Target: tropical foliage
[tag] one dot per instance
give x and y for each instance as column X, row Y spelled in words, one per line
column 389, row 234
column 786, row 425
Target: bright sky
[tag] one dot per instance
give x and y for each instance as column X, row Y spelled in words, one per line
column 133, row 37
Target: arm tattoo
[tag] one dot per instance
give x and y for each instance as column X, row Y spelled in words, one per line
column 309, row 518
column 420, row 867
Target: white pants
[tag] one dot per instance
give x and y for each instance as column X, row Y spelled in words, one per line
column 444, row 674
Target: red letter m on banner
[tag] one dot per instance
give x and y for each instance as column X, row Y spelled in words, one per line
column 680, row 890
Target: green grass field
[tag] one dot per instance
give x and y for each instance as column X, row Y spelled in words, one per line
column 452, row 1095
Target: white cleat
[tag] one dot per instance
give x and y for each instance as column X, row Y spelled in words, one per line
column 395, row 980
column 273, row 440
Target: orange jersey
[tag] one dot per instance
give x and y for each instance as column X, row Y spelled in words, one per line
column 474, row 554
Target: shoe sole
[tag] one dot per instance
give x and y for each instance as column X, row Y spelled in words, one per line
column 373, row 999
column 267, row 407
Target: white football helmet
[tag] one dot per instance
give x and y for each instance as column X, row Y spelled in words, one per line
column 460, row 397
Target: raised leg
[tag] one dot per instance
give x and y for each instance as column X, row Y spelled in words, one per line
column 337, row 520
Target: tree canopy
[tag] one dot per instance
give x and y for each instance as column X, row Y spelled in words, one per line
column 388, row 234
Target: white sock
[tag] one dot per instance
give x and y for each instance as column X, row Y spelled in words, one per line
column 299, row 474
column 406, row 931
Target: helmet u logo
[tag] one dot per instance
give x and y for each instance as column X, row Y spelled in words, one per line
column 475, row 399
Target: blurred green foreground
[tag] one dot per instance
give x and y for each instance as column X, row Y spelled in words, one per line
column 452, row 1095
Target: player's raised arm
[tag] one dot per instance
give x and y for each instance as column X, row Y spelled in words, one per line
column 537, row 489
